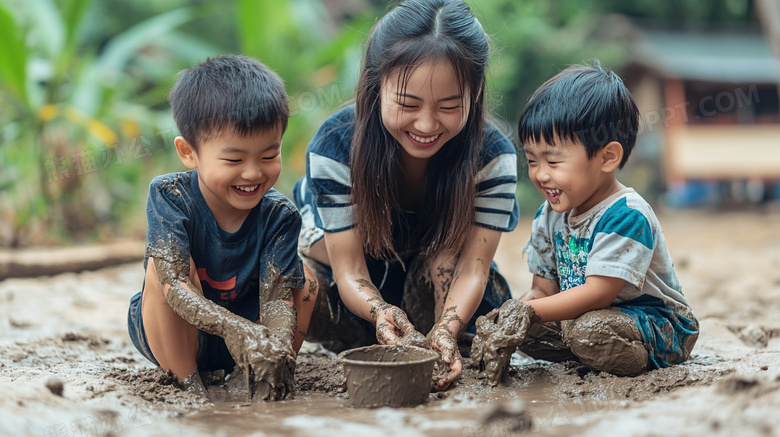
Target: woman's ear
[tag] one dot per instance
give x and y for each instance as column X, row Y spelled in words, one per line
column 186, row 152
column 611, row 156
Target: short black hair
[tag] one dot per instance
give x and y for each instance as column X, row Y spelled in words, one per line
column 228, row 94
column 582, row 103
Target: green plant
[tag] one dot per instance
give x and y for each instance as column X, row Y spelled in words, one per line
column 318, row 58
column 76, row 115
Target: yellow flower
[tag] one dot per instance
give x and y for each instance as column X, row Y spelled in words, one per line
column 74, row 115
column 47, row 112
column 102, row 132
column 129, row 128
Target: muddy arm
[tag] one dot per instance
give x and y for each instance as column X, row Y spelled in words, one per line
column 266, row 361
column 459, row 297
column 188, row 302
column 360, row 295
column 277, row 310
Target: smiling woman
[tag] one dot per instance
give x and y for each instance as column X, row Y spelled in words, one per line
column 424, row 112
column 407, row 192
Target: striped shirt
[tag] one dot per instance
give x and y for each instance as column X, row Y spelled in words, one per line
column 326, row 189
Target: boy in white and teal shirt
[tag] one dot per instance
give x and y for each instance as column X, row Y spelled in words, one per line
column 604, row 290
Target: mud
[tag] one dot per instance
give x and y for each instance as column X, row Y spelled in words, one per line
column 388, row 375
column 263, row 353
column 73, row 327
column 607, row 340
column 499, row 333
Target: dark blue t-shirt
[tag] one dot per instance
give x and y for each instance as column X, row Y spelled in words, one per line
column 230, row 265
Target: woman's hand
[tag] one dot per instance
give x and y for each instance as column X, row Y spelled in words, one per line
column 393, row 327
column 451, row 365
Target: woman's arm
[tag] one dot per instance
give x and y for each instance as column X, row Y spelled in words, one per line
column 359, row 294
column 458, row 293
column 456, row 305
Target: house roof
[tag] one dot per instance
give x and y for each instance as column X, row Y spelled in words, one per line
column 735, row 58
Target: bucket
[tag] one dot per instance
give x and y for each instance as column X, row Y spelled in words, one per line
column 388, row 375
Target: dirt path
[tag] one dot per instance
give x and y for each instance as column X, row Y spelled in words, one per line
column 68, row 333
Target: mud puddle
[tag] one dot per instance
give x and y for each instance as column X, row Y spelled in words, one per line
column 537, row 397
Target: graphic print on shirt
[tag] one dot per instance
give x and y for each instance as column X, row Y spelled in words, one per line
column 227, row 289
column 572, row 256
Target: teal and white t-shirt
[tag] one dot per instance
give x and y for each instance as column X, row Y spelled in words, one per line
column 620, row 238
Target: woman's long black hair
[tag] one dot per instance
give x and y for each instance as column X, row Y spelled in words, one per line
column 411, row 34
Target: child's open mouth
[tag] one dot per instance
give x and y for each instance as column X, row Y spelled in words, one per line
column 245, row 189
column 553, row 195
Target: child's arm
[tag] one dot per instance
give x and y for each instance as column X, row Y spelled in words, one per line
column 359, row 294
column 257, row 352
column 540, row 287
column 598, row 292
column 287, row 311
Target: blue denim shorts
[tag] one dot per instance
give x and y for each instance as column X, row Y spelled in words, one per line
column 212, row 353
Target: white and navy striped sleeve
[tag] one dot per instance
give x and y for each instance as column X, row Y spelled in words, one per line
column 496, row 205
column 328, row 176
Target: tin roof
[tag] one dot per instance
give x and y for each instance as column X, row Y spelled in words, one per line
column 735, row 58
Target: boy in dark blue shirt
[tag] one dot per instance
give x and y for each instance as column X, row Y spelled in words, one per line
column 224, row 285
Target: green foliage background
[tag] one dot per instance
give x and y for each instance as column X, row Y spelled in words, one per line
column 84, row 122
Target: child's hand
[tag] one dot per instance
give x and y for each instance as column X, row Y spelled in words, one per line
column 393, row 327
column 450, row 366
column 499, row 333
column 266, row 360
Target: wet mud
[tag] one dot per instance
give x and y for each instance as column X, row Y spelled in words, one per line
column 67, row 366
column 499, row 333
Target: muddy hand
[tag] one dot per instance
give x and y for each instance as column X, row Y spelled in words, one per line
column 499, row 333
column 450, row 366
column 273, row 379
column 266, row 361
column 393, row 327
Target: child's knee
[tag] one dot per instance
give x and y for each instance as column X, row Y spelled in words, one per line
column 544, row 342
column 607, row 340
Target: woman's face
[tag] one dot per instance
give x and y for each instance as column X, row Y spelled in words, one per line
column 427, row 111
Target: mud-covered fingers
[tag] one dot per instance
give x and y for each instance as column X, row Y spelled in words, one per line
column 386, row 333
column 488, row 323
column 402, row 322
column 477, row 352
column 456, row 369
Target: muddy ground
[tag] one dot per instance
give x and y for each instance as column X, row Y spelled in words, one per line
column 67, row 367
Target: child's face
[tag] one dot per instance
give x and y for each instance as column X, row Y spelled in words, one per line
column 565, row 176
column 425, row 113
column 234, row 173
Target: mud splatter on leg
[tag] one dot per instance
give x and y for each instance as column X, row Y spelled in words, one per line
column 607, row 340
column 545, row 342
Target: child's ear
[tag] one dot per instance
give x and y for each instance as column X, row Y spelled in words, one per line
column 611, row 156
column 186, row 152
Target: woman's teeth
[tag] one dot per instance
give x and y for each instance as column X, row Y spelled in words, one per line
column 424, row 140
